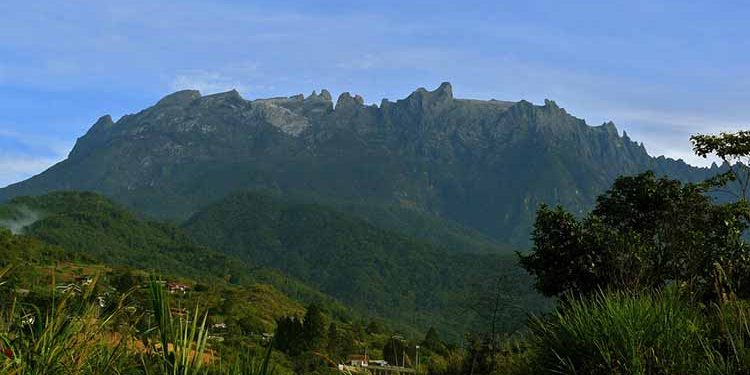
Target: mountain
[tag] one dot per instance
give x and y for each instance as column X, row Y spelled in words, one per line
column 481, row 165
column 371, row 269
column 267, row 243
column 86, row 227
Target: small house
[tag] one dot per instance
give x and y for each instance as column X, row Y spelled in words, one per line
column 84, row 280
column 177, row 288
column 357, row 360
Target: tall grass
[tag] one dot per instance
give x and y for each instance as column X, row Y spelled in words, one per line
column 180, row 347
column 77, row 336
column 731, row 338
column 622, row 333
column 639, row 333
column 70, row 338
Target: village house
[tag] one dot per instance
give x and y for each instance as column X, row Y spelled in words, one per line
column 357, row 360
column 84, row 280
column 179, row 311
column 266, row 337
column 68, row 288
column 175, row 287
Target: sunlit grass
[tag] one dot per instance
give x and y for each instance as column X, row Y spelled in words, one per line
column 77, row 335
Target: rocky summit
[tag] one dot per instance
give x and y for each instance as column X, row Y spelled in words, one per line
column 485, row 165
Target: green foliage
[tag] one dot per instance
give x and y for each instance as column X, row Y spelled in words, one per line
column 88, row 228
column 727, row 146
column 619, row 333
column 76, row 335
column 734, row 150
column 646, row 333
column 21, row 249
column 373, row 270
column 181, row 342
column 644, row 232
column 70, row 338
column 93, row 228
column 314, row 328
column 433, row 342
column 295, row 336
column 289, row 335
column 397, row 352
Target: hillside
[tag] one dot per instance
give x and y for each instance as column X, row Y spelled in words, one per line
column 309, row 252
column 88, row 228
column 371, row 269
column 485, row 165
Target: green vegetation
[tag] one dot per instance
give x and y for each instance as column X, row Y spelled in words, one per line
column 619, row 333
column 652, row 281
column 643, row 233
column 379, row 272
column 87, row 228
column 379, row 237
column 226, row 325
column 60, row 246
column 84, row 333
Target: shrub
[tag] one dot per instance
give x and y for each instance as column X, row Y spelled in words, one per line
column 621, row 333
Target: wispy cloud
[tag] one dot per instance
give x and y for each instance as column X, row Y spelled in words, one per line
column 25, row 155
column 206, row 82
column 14, row 168
column 683, row 121
column 242, row 77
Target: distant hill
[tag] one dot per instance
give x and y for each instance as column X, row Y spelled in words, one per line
column 308, row 251
column 86, row 227
column 371, row 269
column 483, row 165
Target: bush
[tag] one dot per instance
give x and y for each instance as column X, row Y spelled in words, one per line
column 620, row 333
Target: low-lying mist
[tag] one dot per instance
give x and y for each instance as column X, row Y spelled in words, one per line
column 20, row 218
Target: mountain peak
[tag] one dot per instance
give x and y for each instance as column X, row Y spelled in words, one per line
column 441, row 95
column 431, row 152
column 445, row 89
column 105, row 121
column 347, row 100
column 182, row 97
column 324, row 94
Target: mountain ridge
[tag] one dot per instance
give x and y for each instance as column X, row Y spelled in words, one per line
column 484, row 164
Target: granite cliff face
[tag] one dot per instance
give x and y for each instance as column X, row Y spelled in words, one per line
column 484, row 164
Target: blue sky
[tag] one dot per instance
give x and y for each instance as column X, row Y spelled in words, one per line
column 660, row 70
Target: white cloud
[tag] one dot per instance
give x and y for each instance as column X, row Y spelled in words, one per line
column 235, row 76
column 15, row 168
column 26, row 155
column 667, row 133
column 365, row 62
column 206, row 82
column 682, row 121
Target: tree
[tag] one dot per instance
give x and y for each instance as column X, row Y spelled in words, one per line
column 734, row 150
column 374, row 327
column 123, row 279
column 394, row 351
column 289, row 335
column 644, row 232
column 314, row 328
column 333, row 340
column 433, row 342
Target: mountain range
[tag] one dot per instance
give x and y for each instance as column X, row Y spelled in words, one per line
column 468, row 173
